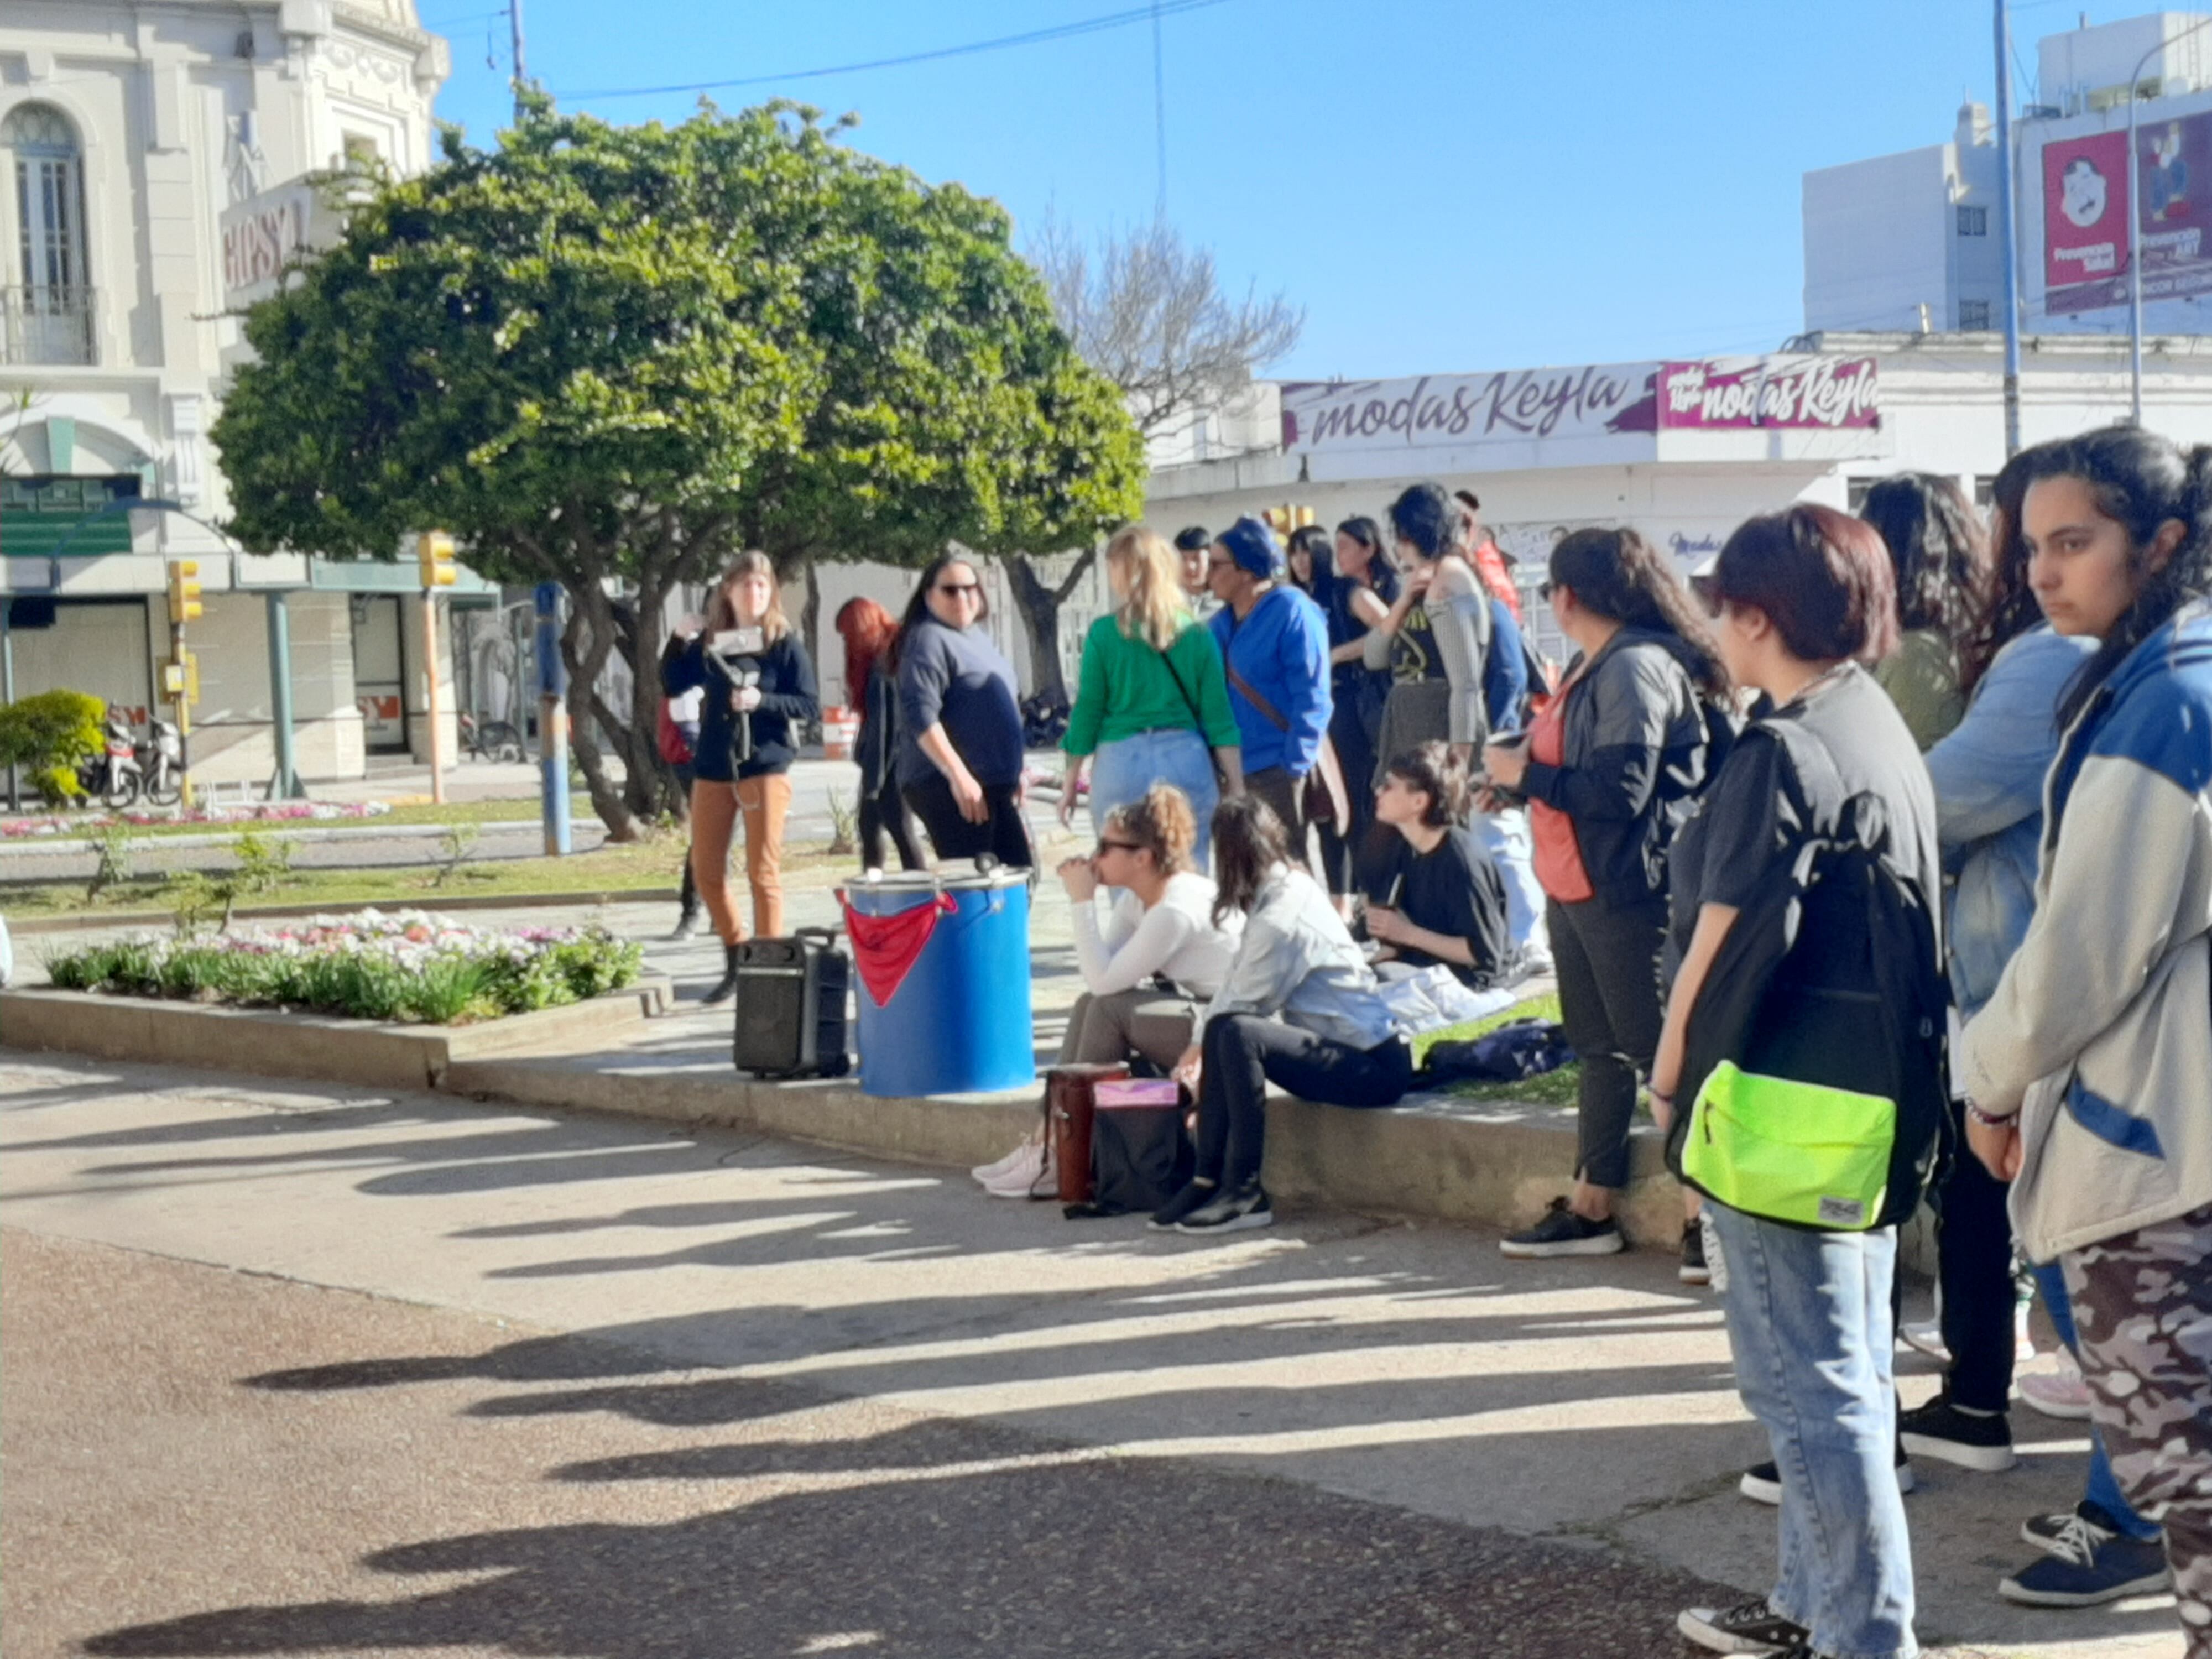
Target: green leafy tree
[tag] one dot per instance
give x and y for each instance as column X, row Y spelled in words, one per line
column 612, row 356
column 48, row 735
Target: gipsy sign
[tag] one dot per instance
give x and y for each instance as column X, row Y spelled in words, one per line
column 263, row 235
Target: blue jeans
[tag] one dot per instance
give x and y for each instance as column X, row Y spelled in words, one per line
column 1504, row 837
column 2102, row 1490
column 1809, row 1324
column 1123, row 769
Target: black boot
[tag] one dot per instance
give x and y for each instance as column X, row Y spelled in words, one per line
column 726, row 986
column 689, row 923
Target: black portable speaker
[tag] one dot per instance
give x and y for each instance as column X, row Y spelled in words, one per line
column 791, row 1005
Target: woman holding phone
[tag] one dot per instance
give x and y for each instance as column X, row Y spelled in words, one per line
column 759, row 692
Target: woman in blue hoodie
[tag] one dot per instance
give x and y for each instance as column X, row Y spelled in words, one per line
column 2085, row 1071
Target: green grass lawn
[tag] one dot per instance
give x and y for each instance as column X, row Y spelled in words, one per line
column 1550, row 1088
column 644, row 866
column 507, row 809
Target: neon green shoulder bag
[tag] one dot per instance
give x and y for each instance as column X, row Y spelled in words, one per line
column 1801, row 1152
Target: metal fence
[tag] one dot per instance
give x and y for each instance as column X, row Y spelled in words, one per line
column 48, row 324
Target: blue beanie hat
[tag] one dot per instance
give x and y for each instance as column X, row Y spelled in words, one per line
column 1253, row 545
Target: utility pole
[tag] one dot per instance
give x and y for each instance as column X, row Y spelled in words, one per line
column 552, row 722
column 514, row 26
column 434, row 553
column 2011, row 264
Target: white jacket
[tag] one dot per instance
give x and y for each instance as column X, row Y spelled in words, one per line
column 2100, row 1031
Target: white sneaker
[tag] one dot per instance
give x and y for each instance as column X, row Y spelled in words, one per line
column 1927, row 1336
column 2060, row 1393
column 987, row 1173
column 2023, row 1344
column 1032, row 1167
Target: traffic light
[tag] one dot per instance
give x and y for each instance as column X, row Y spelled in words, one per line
column 433, row 551
column 184, row 591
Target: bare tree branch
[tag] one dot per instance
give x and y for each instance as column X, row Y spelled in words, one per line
column 1146, row 310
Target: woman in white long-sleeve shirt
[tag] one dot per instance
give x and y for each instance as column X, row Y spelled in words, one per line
column 1160, row 956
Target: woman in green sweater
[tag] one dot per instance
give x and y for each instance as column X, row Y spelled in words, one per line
column 1151, row 705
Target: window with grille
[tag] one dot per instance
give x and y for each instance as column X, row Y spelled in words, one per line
column 1973, row 316
column 49, row 196
column 1973, row 220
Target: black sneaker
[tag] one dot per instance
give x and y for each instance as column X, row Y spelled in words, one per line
column 2068, row 1530
column 1195, row 1194
column 1562, row 1232
column 1694, row 1270
column 2097, row 1566
column 1972, row 1440
column 1751, row 1628
column 1762, row 1482
column 1230, row 1211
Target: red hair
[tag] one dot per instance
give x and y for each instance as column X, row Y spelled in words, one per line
column 868, row 630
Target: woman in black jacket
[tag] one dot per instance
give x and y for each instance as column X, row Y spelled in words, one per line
column 1610, row 768
column 760, row 694
column 869, row 632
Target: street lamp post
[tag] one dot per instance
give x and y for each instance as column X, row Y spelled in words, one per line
column 2134, row 226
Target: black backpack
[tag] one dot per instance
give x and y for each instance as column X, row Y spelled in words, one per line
column 1883, row 1035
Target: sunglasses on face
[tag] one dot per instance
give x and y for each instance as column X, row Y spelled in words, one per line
column 1104, row 845
column 955, row 589
column 1544, row 591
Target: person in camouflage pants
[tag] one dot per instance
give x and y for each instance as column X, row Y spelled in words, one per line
column 2143, row 1310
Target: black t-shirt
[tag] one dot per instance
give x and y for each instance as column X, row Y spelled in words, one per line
column 1747, row 821
column 1454, row 891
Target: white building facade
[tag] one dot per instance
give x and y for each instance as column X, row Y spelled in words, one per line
column 1910, row 242
column 152, row 150
column 1683, row 452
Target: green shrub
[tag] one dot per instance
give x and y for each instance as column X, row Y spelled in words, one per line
column 47, row 735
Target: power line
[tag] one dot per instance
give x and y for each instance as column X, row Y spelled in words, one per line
column 1034, row 37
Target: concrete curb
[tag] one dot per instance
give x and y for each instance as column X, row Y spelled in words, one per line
column 148, row 1031
column 1434, row 1157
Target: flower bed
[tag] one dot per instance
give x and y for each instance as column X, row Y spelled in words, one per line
column 280, row 812
column 409, row 966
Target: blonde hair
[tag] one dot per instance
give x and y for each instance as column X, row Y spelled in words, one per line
column 721, row 614
column 1162, row 823
column 1154, row 610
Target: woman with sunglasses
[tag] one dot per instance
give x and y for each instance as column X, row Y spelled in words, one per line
column 960, row 752
column 1148, row 972
column 1161, row 955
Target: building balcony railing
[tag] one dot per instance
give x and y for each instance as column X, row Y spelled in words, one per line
column 47, row 325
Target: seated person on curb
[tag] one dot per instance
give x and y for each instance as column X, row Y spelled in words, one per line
column 1436, row 895
column 1148, row 976
column 1299, row 1008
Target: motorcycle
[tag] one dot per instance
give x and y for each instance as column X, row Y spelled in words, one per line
column 490, row 740
column 113, row 775
column 160, row 759
column 1044, row 721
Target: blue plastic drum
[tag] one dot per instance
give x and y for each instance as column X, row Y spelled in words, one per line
column 959, row 1022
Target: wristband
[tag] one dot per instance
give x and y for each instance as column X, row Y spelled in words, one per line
column 1990, row 1120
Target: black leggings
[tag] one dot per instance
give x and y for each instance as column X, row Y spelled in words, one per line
column 1243, row 1052
column 1609, row 1003
column 883, row 815
column 1974, row 1262
column 1004, row 834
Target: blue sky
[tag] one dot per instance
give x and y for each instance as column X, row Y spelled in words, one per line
column 1444, row 185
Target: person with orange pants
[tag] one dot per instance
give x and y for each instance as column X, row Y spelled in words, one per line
column 760, row 693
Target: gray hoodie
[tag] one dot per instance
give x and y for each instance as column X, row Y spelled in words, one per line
column 1298, row 962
